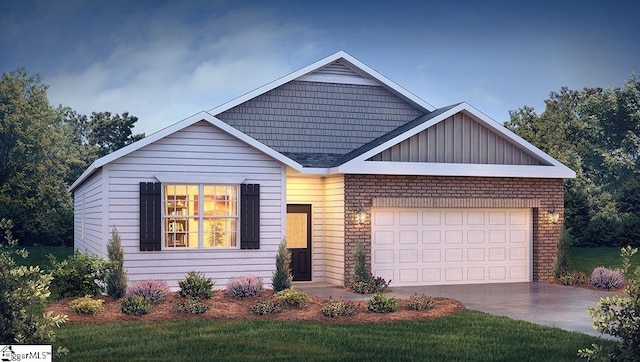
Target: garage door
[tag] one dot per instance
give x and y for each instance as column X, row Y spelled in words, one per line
column 414, row 246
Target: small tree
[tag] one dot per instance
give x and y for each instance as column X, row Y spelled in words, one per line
column 20, row 288
column 116, row 279
column 362, row 280
column 562, row 261
column 619, row 316
column 282, row 277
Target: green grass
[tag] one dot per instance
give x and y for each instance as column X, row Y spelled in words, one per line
column 586, row 259
column 38, row 255
column 467, row 335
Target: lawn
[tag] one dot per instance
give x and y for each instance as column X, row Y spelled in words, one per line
column 38, row 255
column 467, row 335
column 587, row 259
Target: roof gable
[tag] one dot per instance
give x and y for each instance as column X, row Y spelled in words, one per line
column 461, row 138
column 449, row 151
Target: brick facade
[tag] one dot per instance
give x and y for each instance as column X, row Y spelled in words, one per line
column 537, row 193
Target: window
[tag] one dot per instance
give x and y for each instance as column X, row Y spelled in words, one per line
column 200, row 216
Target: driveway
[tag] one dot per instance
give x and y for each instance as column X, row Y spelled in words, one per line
column 541, row 303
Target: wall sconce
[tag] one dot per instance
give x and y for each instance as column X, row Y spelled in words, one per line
column 360, row 216
column 554, row 215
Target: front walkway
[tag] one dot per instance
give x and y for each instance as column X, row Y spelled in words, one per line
column 541, row 303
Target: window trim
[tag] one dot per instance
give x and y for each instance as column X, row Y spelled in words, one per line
column 200, row 217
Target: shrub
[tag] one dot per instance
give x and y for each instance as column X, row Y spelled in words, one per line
column 267, row 306
column 561, row 265
column 573, row 278
column 292, row 297
column 22, row 288
column 605, row 278
column 619, row 316
column 363, row 281
column 191, row 305
column 78, row 275
column 195, row 285
column 135, row 305
column 339, row 308
column 154, row 291
column 282, row 277
column 420, row 302
column 116, row 277
column 244, row 286
column 86, row 305
column 381, row 303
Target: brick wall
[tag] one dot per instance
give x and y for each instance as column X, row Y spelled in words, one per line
column 360, row 190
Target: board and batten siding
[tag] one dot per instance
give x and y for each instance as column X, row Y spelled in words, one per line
column 89, row 214
column 200, row 150
column 458, row 139
column 334, row 229
column 310, row 190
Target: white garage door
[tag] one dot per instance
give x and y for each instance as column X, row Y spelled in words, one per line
column 413, row 246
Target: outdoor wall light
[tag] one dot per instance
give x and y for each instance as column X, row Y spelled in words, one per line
column 554, row 215
column 360, row 216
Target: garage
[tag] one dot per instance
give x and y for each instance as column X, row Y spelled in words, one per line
column 432, row 246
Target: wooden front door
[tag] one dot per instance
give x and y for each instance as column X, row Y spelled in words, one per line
column 299, row 240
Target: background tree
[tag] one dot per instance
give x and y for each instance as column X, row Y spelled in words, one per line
column 595, row 132
column 42, row 151
column 34, row 155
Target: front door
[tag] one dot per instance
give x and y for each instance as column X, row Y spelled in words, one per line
column 299, row 241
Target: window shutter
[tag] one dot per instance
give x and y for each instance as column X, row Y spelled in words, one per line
column 249, row 216
column 150, row 216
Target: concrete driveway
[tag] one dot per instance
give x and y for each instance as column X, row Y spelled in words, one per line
column 541, row 303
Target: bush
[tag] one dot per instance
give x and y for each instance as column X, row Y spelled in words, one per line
column 605, row 278
column 339, row 308
column 282, row 277
column 292, row 297
column 245, row 286
column 154, row 291
column 573, row 278
column 22, row 288
column 619, row 316
column 195, row 285
column 381, row 303
column 267, row 306
column 561, row 265
column 116, row 278
column 420, row 302
column 363, row 281
column 86, row 305
column 191, row 306
column 78, row 275
column 135, row 305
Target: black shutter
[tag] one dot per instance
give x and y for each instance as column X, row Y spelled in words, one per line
column 150, row 216
column 249, row 216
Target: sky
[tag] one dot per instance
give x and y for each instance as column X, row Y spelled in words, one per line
column 163, row 61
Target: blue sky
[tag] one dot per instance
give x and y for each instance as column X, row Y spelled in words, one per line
column 163, row 61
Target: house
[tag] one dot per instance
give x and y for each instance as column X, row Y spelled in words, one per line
column 328, row 156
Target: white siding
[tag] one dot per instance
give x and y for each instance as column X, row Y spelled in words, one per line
column 203, row 150
column 310, row 190
column 89, row 205
column 334, row 230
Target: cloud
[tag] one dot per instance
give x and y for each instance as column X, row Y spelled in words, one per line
column 170, row 72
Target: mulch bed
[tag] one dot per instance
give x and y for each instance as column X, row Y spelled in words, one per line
column 225, row 307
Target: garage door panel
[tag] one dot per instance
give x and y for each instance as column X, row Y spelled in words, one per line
column 408, row 218
column 453, row 236
column 431, row 237
column 431, row 218
column 451, row 246
column 431, row 255
column 383, row 237
column 408, row 256
column 408, row 236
